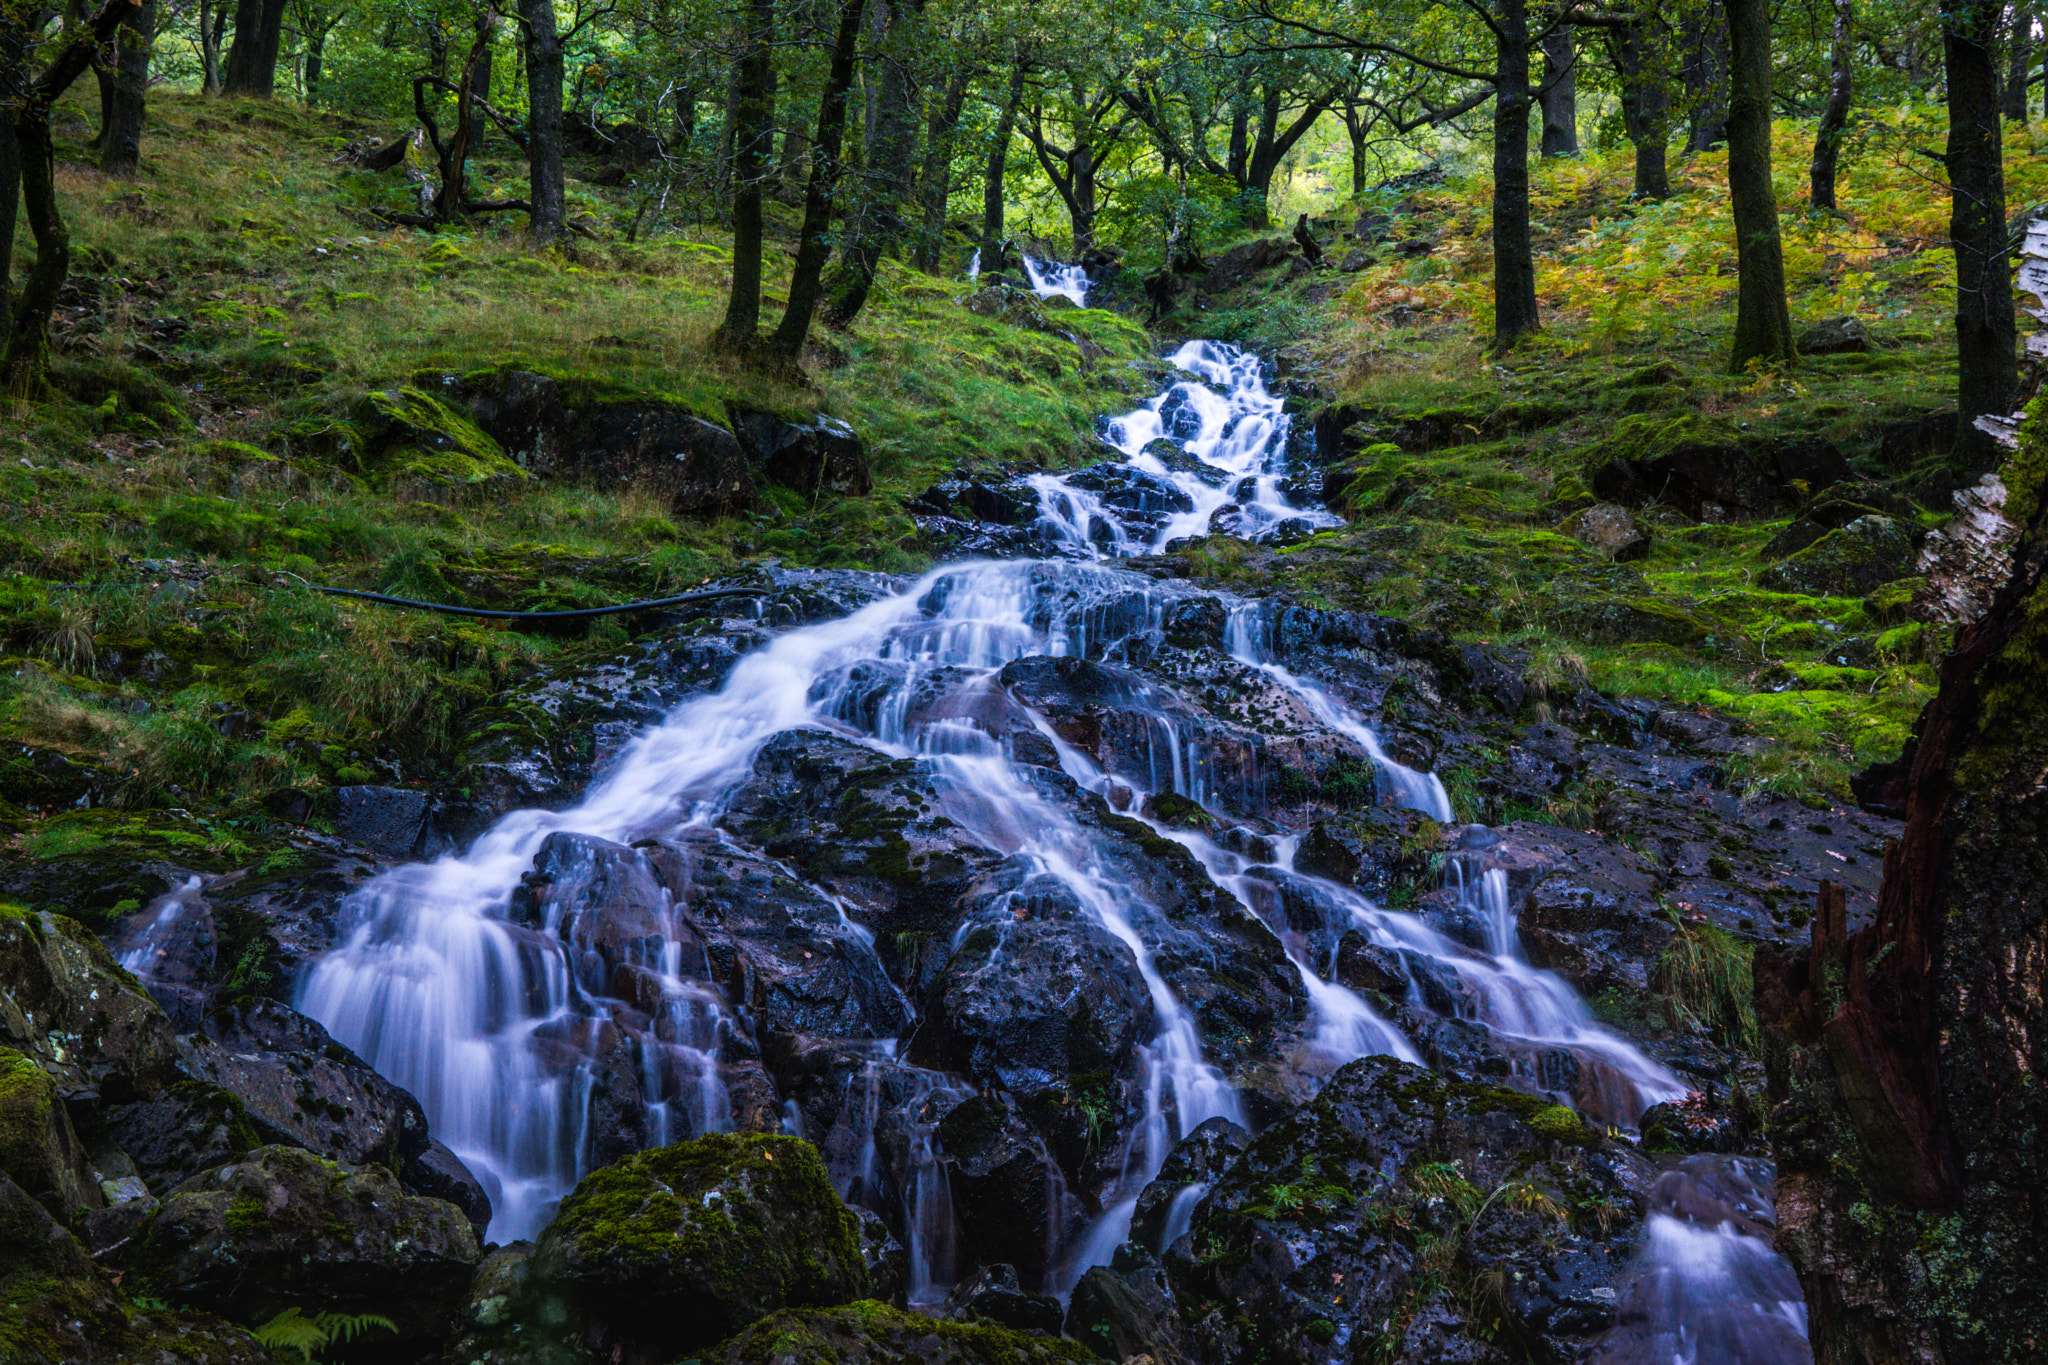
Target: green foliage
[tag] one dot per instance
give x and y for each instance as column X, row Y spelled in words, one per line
column 310, row 1337
column 1704, row 975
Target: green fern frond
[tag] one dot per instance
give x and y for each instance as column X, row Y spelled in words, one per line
column 291, row 1330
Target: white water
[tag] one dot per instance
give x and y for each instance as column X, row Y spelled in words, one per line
column 159, row 926
column 1048, row 278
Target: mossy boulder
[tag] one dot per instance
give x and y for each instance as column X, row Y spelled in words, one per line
column 870, row 1333
column 283, row 1228
column 58, row 1308
column 39, row 1150
column 424, row 448
column 670, row 1250
column 76, row 1014
column 1862, row 556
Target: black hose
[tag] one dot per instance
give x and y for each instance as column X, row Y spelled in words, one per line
column 579, row 614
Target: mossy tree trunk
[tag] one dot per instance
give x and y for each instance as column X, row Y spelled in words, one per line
column 753, row 130
column 24, row 366
column 14, row 43
column 1710, row 75
column 1763, row 320
column 935, row 181
column 121, row 149
column 1987, row 372
column 1910, row 1120
column 545, row 187
column 1514, row 261
column 806, row 280
column 1834, row 119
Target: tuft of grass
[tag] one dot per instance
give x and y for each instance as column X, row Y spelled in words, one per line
column 1704, row 977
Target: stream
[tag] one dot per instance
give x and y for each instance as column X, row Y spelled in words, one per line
column 484, row 983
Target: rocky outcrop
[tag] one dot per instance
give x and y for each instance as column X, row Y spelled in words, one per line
column 76, row 1014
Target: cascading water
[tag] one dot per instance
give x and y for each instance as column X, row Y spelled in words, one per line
column 483, row 983
column 1048, row 278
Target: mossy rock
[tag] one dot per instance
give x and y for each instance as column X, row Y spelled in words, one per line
column 870, row 1333
column 1865, row 555
column 423, row 443
column 670, row 1250
column 79, row 1016
column 38, row 1149
column 1891, row 603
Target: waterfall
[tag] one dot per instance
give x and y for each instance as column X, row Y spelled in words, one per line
column 1048, row 278
column 504, row 1007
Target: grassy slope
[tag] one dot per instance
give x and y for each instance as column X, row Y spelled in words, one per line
column 232, row 307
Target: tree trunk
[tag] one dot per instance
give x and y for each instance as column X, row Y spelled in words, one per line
column 1355, row 129
column 1645, row 107
column 213, row 20
column 1514, row 262
column 1271, row 146
column 1987, row 373
column 121, row 153
column 753, row 126
column 543, row 48
column 24, row 367
column 1905, row 1060
column 1708, row 79
column 252, row 57
column 1827, row 139
column 878, row 223
column 1560, row 98
column 935, row 183
column 998, row 165
column 316, row 61
column 2019, row 63
column 814, row 244
column 14, row 45
column 1763, row 322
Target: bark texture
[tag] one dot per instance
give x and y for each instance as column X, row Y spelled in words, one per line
column 753, row 129
column 1834, row 119
column 814, row 242
column 998, row 163
column 1514, row 262
column 1763, row 321
column 1987, row 372
column 1909, row 1120
column 121, row 149
column 878, row 223
column 1560, row 97
column 252, row 56
column 545, row 188
column 1638, row 56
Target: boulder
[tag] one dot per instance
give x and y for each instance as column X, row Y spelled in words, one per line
column 39, row 1150
column 696, row 467
column 1835, row 336
column 58, row 1308
column 511, row 1319
column 1865, row 554
column 282, row 1228
column 671, row 1250
column 873, row 1334
column 1027, row 1003
column 76, row 1014
column 388, row 821
column 183, row 1129
column 1007, row 1189
column 1127, row 1310
column 821, row 456
column 420, row 448
column 1811, row 461
column 1610, row 530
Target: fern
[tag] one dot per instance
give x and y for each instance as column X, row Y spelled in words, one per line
column 291, row 1330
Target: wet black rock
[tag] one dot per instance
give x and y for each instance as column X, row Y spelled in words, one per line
column 1320, row 1232
column 820, row 456
column 993, row 1294
column 1008, row 1193
column 77, row 1015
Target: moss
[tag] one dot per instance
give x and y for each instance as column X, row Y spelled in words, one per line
column 28, row 1099
column 645, row 1217
column 1560, row 1124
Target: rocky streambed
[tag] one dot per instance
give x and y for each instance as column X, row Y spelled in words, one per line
column 1053, row 946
